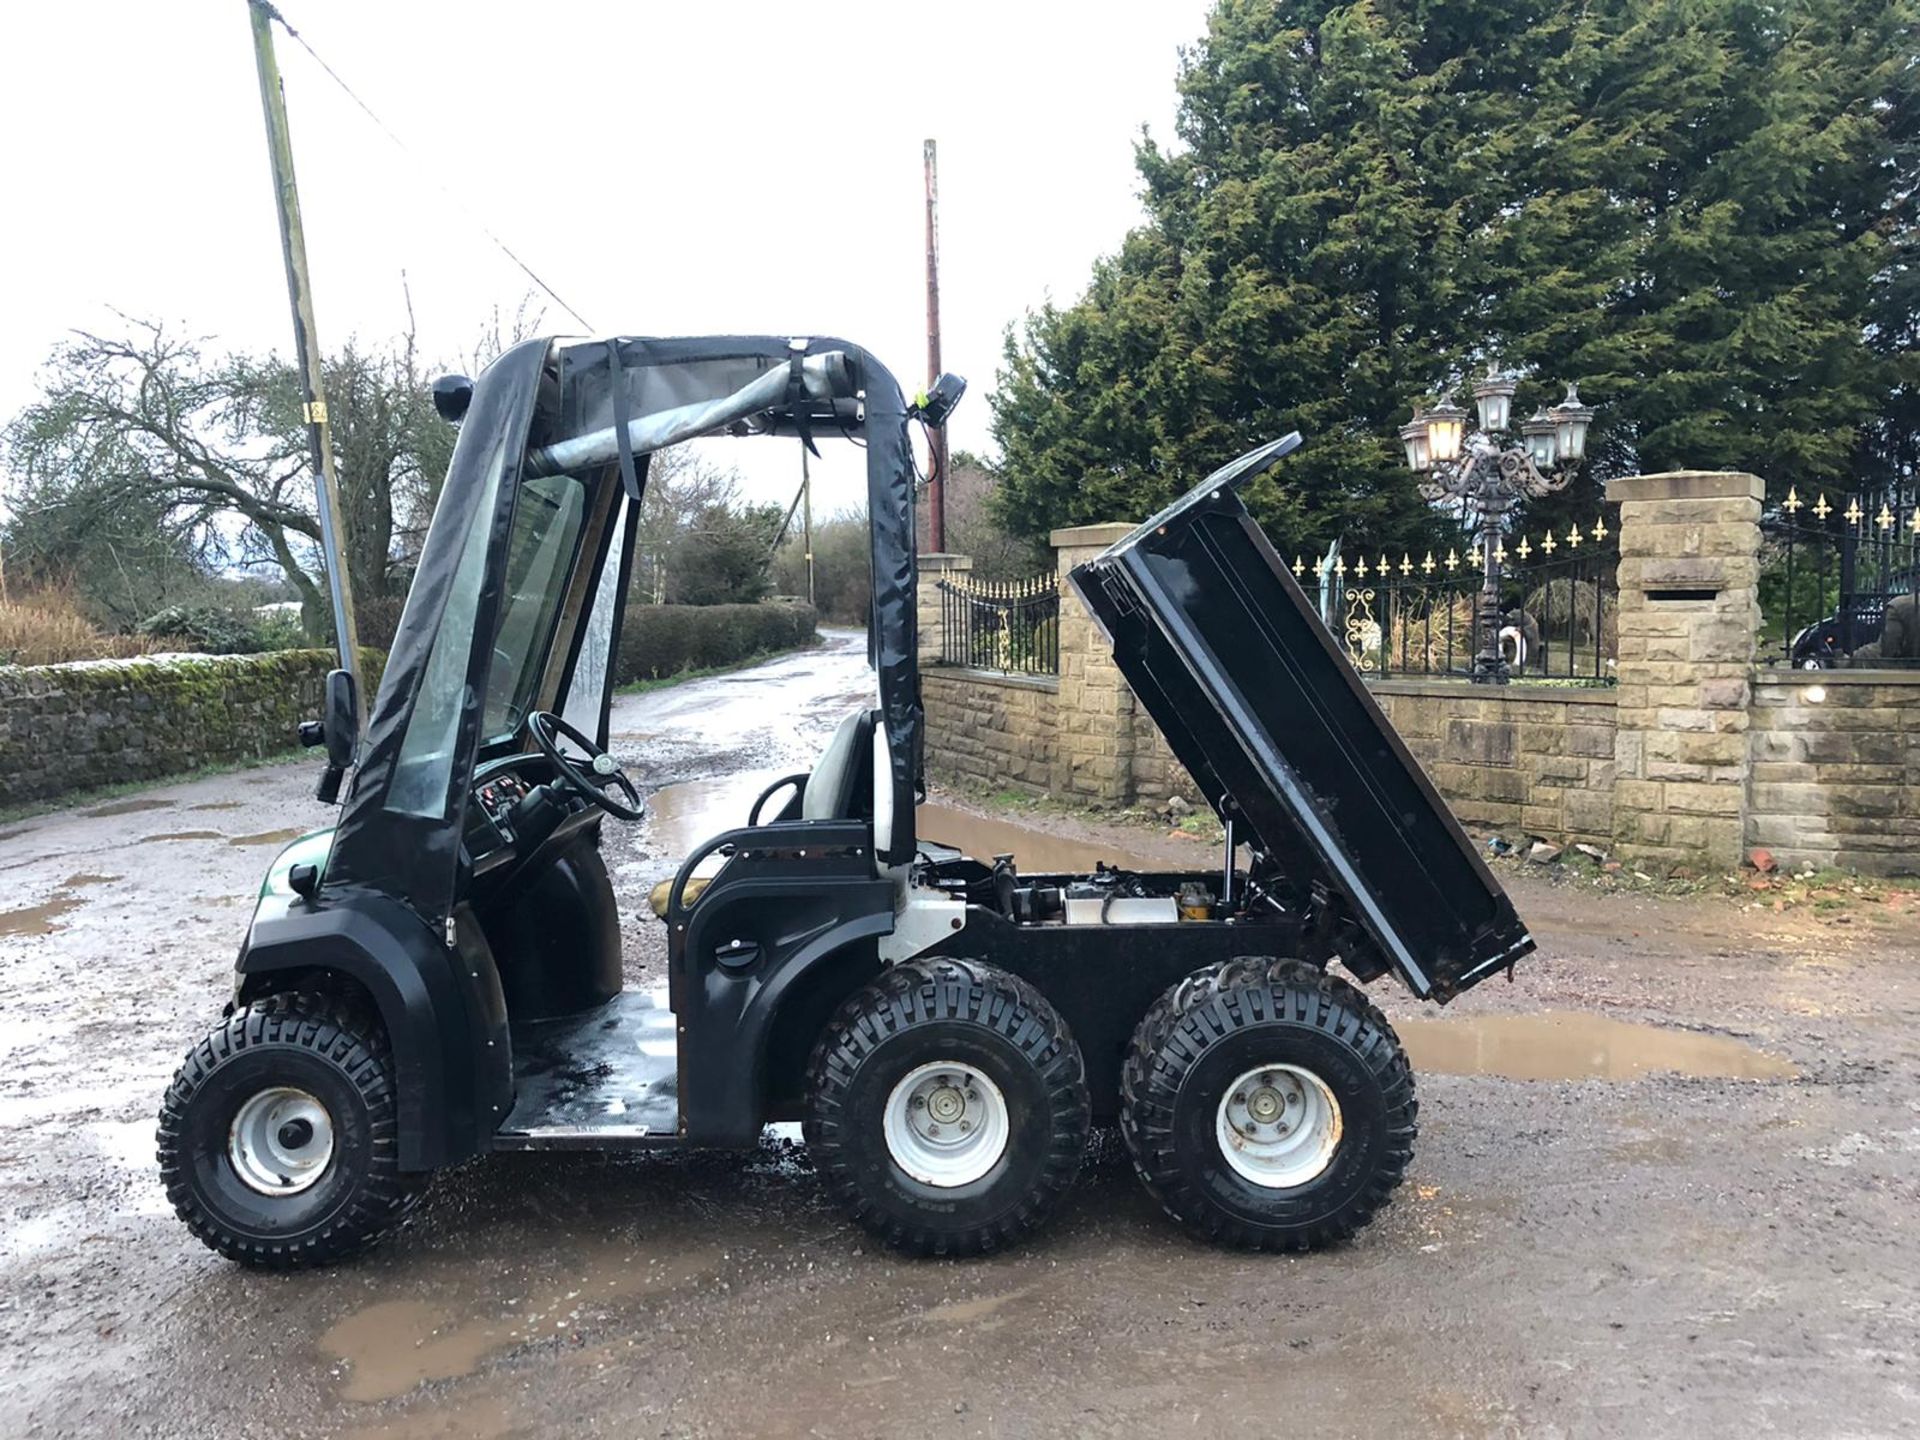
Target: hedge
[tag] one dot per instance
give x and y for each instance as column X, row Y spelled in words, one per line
column 662, row 640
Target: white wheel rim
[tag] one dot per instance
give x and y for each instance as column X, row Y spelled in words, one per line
column 946, row 1124
column 281, row 1141
column 1278, row 1126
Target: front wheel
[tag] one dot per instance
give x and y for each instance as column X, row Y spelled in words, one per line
column 1268, row 1105
column 947, row 1107
column 278, row 1139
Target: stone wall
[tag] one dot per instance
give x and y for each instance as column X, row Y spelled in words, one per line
column 1696, row 755
column 77, row 727
column 993, row 732
column 1836, row 769
column 1517, row 759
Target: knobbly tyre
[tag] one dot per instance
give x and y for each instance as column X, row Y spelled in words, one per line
column 440, row 974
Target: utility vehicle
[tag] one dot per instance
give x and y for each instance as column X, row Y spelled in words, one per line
column 440, row 975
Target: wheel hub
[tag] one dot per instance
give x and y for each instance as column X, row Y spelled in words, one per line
column 946, row 1124
column 1279, row 1126
column 281, row 1141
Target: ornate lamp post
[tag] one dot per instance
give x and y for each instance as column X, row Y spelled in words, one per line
column 1490, row 473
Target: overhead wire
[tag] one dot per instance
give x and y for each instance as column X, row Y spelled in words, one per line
column 280, row 19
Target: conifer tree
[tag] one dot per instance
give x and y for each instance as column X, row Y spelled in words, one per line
column 1699, row 209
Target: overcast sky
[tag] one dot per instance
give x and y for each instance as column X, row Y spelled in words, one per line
column 680, row 168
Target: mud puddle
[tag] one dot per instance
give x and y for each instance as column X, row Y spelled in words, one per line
column 37, row 919
column 1570, row 1045
column 1034, row 851
column 188, row 835
column 75, row 882
column 681, row 817
column 268, row 837
column 393, row 1346
column 126, row 807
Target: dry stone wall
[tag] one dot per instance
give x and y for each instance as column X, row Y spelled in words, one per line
column 65, row 728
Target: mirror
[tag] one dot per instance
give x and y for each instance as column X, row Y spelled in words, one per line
column 342, row 718
column 340, row 730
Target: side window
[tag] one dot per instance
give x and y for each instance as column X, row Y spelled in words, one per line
column 581, row 708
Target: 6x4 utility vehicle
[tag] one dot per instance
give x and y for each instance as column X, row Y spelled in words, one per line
column 440, row 975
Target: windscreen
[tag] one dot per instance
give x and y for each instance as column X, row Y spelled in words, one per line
column 547, row 518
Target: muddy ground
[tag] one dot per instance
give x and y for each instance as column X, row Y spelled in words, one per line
column 1711, row 1228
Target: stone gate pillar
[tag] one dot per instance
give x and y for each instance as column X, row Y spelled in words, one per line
column 1094, row 718
column 1689, row 618
column 928, row 617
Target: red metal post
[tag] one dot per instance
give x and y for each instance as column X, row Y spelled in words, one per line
column 937, row 436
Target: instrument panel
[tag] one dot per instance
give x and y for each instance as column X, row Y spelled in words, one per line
column 489, row 830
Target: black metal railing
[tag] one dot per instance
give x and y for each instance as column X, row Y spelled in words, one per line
column 1832, row 570
column 1420, row 616
column 1012, row 626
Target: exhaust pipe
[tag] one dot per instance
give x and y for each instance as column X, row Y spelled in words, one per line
column 824, row 377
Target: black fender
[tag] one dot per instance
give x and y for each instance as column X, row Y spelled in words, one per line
column 778, row 933
column 441, row 1006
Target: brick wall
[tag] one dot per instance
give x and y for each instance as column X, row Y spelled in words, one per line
column 1836, row 769
column 1521, row 760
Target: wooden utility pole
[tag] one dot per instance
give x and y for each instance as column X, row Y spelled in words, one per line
column 293, row 247
column 936, row 435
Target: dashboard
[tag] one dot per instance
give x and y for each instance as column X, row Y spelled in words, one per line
column 492, row 832
column 515, row 817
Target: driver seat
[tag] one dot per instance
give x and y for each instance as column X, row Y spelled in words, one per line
column 839, row 787
column 841, row 784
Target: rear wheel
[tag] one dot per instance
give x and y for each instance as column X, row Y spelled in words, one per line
column 278, row 1141
column 947, row 1108
column 1268, row 1105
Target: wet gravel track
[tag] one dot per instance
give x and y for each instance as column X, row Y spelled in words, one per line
column 1660, row 1255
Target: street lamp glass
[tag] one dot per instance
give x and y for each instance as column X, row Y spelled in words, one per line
column 1446, row 429
column 1494, row 397
column 1542, row 439
column 1414, row 436
column 1571, row 419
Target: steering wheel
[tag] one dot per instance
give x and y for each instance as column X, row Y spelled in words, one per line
column 594, row 783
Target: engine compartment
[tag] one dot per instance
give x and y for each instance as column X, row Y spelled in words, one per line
column 1106, row 895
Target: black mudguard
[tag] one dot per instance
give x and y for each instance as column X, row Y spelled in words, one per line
column 443, row 1008
column 783, row 933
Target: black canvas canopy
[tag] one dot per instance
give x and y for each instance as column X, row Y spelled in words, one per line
column 581, row 406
